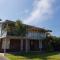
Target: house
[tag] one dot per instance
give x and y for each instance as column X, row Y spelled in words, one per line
column 31, row 42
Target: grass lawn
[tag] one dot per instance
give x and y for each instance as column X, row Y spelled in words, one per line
column 34, row 56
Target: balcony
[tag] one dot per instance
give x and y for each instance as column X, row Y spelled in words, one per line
column 35, row 35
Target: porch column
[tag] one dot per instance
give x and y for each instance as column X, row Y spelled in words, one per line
column 27, row 45
column 21, row 45
column 40, row 45
column 5, row 43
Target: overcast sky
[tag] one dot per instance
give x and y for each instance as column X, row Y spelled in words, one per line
column 41, row 13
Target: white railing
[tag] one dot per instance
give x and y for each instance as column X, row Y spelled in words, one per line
column 35, row 35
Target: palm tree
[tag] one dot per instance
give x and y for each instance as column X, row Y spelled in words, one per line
column 20, row 28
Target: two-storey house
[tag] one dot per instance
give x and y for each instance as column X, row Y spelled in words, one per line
column 31, row 42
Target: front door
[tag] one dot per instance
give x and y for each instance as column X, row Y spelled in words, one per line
column 34, row 45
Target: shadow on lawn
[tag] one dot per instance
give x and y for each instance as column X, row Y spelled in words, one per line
column 37, row 55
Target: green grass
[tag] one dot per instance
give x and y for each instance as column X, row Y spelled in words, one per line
column 34, row 56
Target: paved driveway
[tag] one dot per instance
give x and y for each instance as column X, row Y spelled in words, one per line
column 3, row 58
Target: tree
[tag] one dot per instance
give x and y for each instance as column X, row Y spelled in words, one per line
column 20, row 28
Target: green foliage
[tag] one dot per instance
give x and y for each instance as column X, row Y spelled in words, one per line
column 20, row 28
column 52, row 43
column 55, row 39
column 34, row 56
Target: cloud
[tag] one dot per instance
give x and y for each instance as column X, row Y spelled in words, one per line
column 42, row 10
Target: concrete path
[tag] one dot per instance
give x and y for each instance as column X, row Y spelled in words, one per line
column 2, row 57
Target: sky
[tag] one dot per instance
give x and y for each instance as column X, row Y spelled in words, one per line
column 39, row 13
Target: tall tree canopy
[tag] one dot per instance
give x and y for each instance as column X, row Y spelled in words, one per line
column 20, row 28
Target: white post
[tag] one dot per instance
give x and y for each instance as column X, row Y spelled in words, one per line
column 40, row 45
column 5, row 46
column 21, row 45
